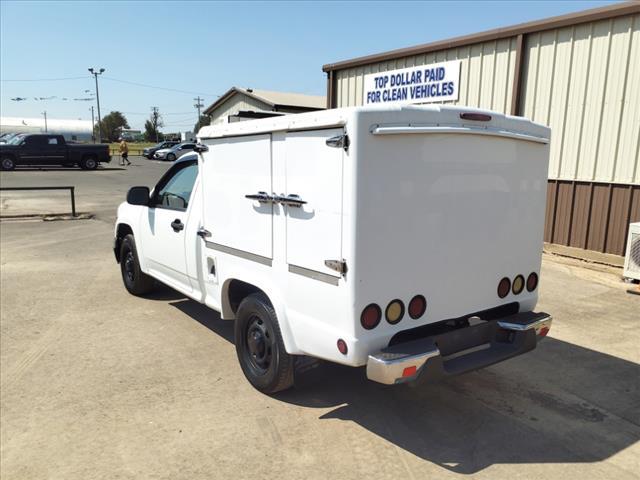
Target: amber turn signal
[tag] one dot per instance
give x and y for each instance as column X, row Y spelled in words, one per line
column 518, row 285
column 394, row 311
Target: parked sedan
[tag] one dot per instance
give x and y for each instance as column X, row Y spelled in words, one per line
column 149, row 151
column 174, row 152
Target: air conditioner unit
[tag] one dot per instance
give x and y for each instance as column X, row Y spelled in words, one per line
column 632, row 258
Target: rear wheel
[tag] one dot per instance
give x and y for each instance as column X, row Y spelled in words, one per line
column 8, row 163
column 259, row 346
column 135, row 281
column 89, row 163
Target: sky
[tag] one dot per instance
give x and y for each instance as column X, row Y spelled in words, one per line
column 185, row 49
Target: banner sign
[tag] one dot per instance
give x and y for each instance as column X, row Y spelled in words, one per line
column 423, row 84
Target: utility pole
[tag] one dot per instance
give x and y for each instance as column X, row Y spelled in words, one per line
column 95, row 72
column 198, row 106
column 93, row 127
column 155, row 115
column 45, row 121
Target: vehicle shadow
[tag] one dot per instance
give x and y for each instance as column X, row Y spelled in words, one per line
column 560, row 403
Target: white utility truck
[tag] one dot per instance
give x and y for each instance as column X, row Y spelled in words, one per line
column 404, row 238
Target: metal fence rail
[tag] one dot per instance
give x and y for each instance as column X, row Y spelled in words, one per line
column 71, row 190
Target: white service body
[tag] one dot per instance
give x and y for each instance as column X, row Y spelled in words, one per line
column 421, row 202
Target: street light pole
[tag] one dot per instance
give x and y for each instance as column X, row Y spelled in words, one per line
column 45, row 121
column 95, row 73
column 93, row 127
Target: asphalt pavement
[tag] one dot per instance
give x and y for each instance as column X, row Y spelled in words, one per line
column 98, row 384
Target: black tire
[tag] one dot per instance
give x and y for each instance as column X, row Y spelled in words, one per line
column 259, row 346
column 89, row 163
column 135, row 281
column 171, row 157
column 8, row 163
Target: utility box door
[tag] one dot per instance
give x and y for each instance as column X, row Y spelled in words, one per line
column 232, row 168
column 314, row 173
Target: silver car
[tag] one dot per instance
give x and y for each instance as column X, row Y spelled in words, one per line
column 174, row 152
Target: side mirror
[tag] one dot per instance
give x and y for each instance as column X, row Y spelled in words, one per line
column 138, row 196
column 200, row 148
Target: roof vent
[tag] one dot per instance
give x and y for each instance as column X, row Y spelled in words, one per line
column 250, row 90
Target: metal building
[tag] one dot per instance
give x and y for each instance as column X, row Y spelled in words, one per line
column 246, row 103
column 577, row 73
column 75, row 130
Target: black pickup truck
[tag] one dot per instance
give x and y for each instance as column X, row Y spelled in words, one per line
column 26, row 150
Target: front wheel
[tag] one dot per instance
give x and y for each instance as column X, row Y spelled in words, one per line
column 259, row 346
column 135, row 281
column 8, row 163
column 171, row 157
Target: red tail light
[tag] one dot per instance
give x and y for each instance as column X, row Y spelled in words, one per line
column 370, row 317
column 532, row 281
column 503, row 287
column 417, row 306
column 342, row 346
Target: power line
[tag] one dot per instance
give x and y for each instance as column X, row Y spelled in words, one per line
column 160, row 88
column 189, row 92
column 41, row 79
column 146, row 113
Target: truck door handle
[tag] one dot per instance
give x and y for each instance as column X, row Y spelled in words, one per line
column 203, row 233
column 177, row 225
column 291, row 200
column 262, row 197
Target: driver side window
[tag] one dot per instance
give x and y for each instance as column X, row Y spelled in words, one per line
column 174, row 193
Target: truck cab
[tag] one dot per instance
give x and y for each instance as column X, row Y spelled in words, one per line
column 45, row 149
column 405, row 239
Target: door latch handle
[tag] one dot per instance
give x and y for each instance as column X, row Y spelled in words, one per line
column 291, row 200
column 262, row 197
column 177, row 225
column 203, row 233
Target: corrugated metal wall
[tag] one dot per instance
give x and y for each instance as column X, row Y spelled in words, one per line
column 486, row 74
column 591, row 215
column 583, row 81
column 234, row 105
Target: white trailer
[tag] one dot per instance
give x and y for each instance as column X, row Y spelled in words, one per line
column 404, row 238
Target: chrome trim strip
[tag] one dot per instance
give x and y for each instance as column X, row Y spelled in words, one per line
column 322, row 277
column 388, row 368
column 239, row 253
column 496, row 132
column 519, row 327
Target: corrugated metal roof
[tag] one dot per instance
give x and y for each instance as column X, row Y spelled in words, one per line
column 600, row 13
column 274, row 99
column 7, row 123
column 290, row 99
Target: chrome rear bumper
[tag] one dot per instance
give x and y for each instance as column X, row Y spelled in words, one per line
column 459, row 351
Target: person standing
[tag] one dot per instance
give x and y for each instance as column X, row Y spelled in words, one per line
column 124, row 152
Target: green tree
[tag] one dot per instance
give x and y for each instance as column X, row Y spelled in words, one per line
column 152, row 127
column 203, row 122
column 111, row 125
